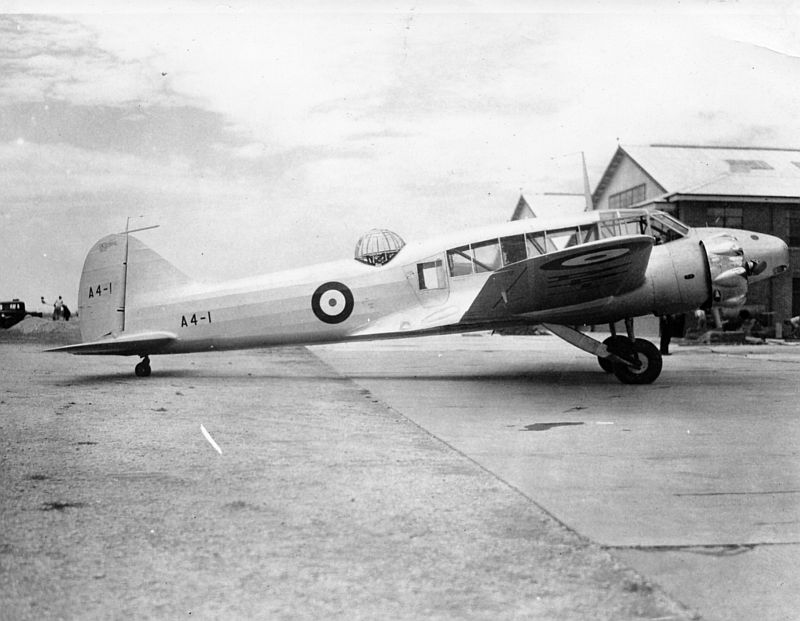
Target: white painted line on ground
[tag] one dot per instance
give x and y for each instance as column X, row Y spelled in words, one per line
column 210, row 439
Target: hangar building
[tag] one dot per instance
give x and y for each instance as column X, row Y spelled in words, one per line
column 751, row 188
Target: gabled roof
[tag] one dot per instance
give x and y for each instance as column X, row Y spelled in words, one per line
column 522, row 210
column 549, row 204
column 707, row 170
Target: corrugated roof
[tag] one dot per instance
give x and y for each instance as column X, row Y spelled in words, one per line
column 726, row 171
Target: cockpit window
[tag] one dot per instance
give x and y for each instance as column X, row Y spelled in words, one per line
column 624, row 225
column 491, row 255
column 665, row 228
column 659, row 225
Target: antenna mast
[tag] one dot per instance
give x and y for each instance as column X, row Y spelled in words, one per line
column 587, row 193
column 127, row 233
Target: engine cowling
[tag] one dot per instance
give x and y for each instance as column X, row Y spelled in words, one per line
column 728, row 269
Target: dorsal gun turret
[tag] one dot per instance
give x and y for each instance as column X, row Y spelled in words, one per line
column 378, row 246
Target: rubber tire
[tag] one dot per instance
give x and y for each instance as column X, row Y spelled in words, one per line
column 605, row 363
column 651, row 364
column 142, row 370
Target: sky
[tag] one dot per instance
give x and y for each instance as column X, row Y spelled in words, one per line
column 265, row 136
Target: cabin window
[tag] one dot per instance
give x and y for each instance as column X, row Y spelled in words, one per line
column 431, row 275
column 459, row 260
column 589, row 233
column 562, row 238
column 536, row 243
column 486, row 256
column 513, row 249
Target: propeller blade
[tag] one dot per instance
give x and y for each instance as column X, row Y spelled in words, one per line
column 754, row 268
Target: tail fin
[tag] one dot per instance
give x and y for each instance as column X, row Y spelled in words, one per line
column 117, row 268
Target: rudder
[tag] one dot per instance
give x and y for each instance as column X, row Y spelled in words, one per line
column 101, row 298
column 115, row 272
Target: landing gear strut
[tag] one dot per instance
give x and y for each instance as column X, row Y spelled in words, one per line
column 143, row 368
column 615, row 342
column 632, row 360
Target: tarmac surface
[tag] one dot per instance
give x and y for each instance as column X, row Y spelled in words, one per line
column 694, row 481
column 446, row 478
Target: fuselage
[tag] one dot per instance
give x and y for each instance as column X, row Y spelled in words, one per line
column 431, row 287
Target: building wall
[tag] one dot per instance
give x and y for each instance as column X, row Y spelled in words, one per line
column 627, row 176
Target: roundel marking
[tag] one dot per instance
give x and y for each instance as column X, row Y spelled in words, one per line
column 595, row 257
column 587, row 258
column 332, row 302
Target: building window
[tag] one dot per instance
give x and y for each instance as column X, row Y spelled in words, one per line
column 726, row 217
column 748, row 165
column 795, row 297
column 794, row 231
column 628, row 197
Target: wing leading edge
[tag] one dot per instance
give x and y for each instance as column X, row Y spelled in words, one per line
column 139, row 344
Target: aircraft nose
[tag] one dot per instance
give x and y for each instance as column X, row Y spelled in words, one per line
column 765, row 255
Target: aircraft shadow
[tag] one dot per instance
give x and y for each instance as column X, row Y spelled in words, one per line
column 548, row 377
column 128, row 377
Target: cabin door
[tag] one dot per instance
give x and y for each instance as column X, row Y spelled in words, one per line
column 429, row 280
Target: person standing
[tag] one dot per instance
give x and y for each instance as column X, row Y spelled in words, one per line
column 58, row 308
column 665, row 329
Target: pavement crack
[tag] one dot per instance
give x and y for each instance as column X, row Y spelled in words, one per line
column 759, row 493
column 711, row 549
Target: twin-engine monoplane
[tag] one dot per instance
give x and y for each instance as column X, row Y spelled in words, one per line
column 595, row 268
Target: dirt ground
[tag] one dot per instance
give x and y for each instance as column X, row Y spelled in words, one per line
column 324, row 502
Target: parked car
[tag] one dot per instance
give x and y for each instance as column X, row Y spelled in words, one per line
column 13, row 312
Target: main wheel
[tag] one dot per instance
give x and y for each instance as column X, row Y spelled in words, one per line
column 142, row 369
column 650, row 364
column 613, row 344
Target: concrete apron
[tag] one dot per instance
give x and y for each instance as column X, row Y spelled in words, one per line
column 694, row 480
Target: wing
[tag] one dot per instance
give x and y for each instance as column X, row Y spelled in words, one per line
column 572, row 276
column 140, row 344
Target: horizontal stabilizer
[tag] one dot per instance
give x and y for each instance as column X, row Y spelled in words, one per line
column 139, row 344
